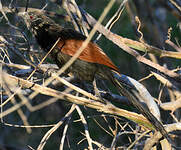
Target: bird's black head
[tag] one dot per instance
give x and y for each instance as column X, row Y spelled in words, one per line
column 43, row 28
column 36, row 20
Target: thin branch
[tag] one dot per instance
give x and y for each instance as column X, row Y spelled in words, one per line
column 106, row 108
column 157, row 136
column 84, row 122
column 20, row 111
column 172, row 106
column 53, row 129
column 114, row 18
column 64, row 133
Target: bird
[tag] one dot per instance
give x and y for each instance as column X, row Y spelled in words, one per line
column 92, row 61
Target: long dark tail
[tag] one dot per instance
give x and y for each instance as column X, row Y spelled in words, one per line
column 129, row 91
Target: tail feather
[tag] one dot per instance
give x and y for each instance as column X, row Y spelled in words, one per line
column 133, row 96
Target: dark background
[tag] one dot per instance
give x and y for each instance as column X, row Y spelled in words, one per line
column 156, row 18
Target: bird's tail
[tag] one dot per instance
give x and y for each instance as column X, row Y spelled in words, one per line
column 127, row 89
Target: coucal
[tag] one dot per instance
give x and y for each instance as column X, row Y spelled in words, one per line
column 91, row 62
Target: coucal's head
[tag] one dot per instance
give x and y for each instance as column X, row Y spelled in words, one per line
column 43, row 28
column 36, row 19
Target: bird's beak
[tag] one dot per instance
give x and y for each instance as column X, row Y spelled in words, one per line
column 25, row 16
column 22, row 14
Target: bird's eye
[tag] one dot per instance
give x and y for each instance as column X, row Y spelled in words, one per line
column 31, row 17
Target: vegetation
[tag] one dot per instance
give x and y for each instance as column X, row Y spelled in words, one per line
column 42, row 108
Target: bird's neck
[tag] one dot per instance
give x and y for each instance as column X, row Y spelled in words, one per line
column 44, row 35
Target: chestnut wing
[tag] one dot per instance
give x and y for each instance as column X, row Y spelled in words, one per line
column 92, row 53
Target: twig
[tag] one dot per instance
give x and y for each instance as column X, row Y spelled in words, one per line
column 77, row 21
column 173, row 45
column 113, row 144
column 18, row 66
column 137, row 139
column 114, row 18
column 102, row 127
column 176, row 5
column 84, row 122
column 157, row 136
column 171, row 105
column 168, row 84
column 53, row 129
column 64, row 133
column 13, row 49
column 20, row 111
